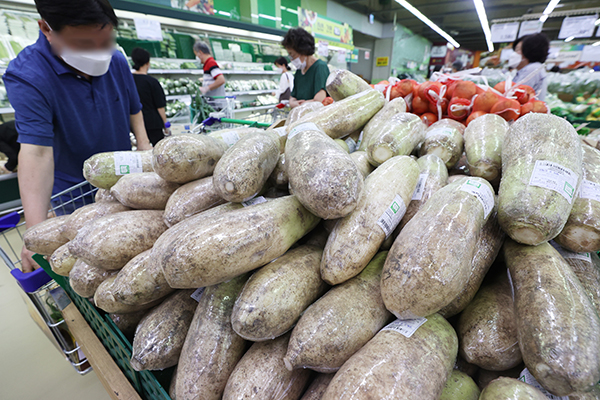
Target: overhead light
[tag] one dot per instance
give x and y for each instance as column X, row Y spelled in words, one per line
column 569, row 38
column 544, row 17
column 449, row 46
column 225, row 13
column 597, row 22
column 269, row 17
column 427, row 22
column 596, row 44
column 551, row 6
column 484, row 23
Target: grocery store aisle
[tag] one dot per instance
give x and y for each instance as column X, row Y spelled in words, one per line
column 31, row 367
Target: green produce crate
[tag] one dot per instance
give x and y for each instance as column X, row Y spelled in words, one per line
column 153, row 47
column 185, row 45
column 150, row 385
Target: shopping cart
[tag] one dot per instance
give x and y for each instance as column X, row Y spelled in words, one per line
column 41, row 292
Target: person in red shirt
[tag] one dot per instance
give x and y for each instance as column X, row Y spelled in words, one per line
column 214, row 81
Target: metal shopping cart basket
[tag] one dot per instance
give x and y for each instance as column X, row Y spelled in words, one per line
column 49, row 293
column 39, row 289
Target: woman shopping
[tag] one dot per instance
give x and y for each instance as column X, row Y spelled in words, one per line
column 286, row 82
column 151, row 95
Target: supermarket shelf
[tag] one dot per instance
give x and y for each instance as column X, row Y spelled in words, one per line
column 248, row 109
column 200, row 72
column 7, row 110
column 179, row 97
column 248, row 92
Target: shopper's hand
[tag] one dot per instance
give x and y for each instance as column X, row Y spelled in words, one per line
column 204, row 89
column 300, row 102
column 144, row 146
column 27, row 263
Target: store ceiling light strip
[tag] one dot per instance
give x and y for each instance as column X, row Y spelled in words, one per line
column 265, row 16
column 549, row 8
column 485, row 25
column 428, row 22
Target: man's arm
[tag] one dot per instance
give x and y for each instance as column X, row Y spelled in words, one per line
column 219, row 81
column 36, row 178
column 163, row 115
column 139, row 131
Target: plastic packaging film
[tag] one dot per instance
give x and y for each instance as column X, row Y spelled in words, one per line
column 88, row 213
column 160, row 335
column 232, row 136
column 212, row 348
column 261, row 374
column 357, row 237
column 317, row 387
column 433, row 176
column 429, row 264
column 62, row 261
column 190, row 199
column 487, row 328
column 322, row 175
column 245, row 167
column 105, row 300
column 103, row 170
column 45, row 238
column 85, row 279
column 345, row 318
column 541, row 165
column 557, row 324
column 303, row 109
column 186, row 158
column 342, row 83
column 445, row 140
column 484, row 138
column 510, row 389
column 277, row 294
column 381, row 119
column 128, row 322
column 279, row 176
column 345, row 116
column 361, row 160
column 250, row 237
column 104, row 196
column 488, row 246
column 398, row 137
column 425, row 359
column 140, row 281
column 582, row 230
column 143, row 191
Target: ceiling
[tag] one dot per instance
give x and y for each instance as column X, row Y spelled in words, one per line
column 459, row 18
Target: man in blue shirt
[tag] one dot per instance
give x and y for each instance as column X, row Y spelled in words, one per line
column 74, row 96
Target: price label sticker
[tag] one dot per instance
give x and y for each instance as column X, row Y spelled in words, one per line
column 197, row 294
column 531, row 381
column 553, row 176
column 420, row 189
column 127, row 163
column 483, row 194
column 351, row 145
column 589, row 190
column 230, row 138
column 281, row 131
column 406, row 327
column 392, row 215
column 307, row 126
column 587, row 257
column 254, row 201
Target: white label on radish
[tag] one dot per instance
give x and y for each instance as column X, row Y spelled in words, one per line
column 589, row 190
column 420, row 189
column 360, row 139
column 483, row 194
column 256, row 200
column 392, row 215
column 127, row 163
column 553, row 176
column 351, row 145
column 281, row 131
column 307, row 126
column 230, row 138
column 197, row 294
column 438, row 132
column 407, row 327
column 530, row 380
column 571, row 254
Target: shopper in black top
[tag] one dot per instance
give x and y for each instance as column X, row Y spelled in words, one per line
column 151, row 94
column 9, row 146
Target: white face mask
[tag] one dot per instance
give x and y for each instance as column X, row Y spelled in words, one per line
column 299, row 64
column 92, row 62
column 514, row 60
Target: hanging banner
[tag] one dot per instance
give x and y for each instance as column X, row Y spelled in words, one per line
column 199, row 6
column 578, row 27
column 323, row 48
column 352, row 56
column 530, row 27
column 504, row 33
column 326, row 28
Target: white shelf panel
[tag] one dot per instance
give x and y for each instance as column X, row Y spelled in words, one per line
column 249, row 92
column 248, row 109
column 7, row 110
column 201, row 72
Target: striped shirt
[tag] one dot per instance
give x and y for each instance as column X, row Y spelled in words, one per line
column 211, row 72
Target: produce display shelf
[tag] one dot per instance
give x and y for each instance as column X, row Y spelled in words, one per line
column 258, row 108
column 150, row 385
column 249, row 92
column 179, row 97
column 200, row 72
column 7, row 110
